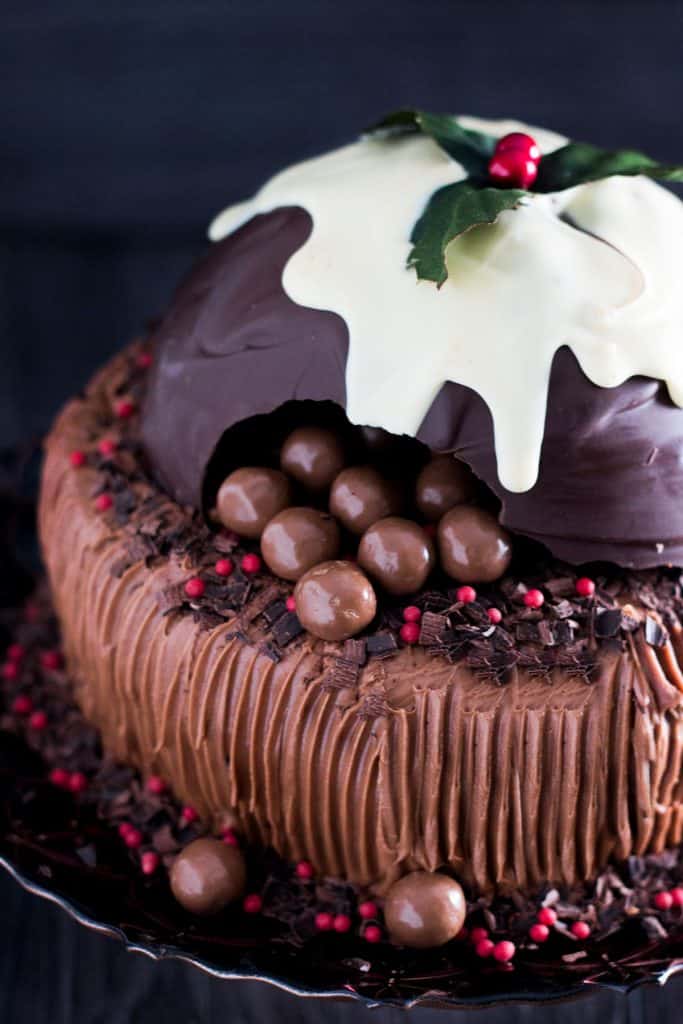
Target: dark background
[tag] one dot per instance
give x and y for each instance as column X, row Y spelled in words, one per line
column 123, row 128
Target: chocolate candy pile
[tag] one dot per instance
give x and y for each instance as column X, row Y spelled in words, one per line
column 332, row 524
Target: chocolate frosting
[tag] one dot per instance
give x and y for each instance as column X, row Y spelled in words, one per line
column 233, row 345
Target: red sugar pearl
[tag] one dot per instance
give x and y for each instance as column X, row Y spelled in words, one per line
column 477, row 934
column 341, row 923
column 584, row 587
column 149, row 862
column 372, row 933
column 677, row 896
column 251, row 564
column 224, row 567
column 484, row 948
column 107, row 446
column 124, row 409
column 580, row 930
column 304, row 869
column 229, row 837
column 103, row 502
column 252, row 903
column 410, row 633
column 495, row 615
column 22, row 705
column 38, row 721
column 156, row 785
column 144, row 360
column 533, row 598
column 412, row 613
column 77, row 459
column 132, row 838
column 60, row 778
column 324, row 922
column 539, row 933
column 195, row 587
column 466, row 594
column 52, row 661
column 124, row 828
column 77, row 783
column 10, row 671
column 189, row 814
column 663, row 900
column 290, row 603
column 15, row 652
column 367, row 910
column 546, row 915
column 504, row 951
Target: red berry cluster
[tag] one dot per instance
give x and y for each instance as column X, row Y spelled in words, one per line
column 515, row 161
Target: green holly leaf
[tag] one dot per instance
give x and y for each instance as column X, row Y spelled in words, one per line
column 470, row 148
column 451, row 211
column 579, row 162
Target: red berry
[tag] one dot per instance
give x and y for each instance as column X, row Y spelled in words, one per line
column 77, row 459
column 251, row 564
column 78, row 783
column 324, row 922
column 144, row 360
column 341, row 923
column 149, row 862
column 410, row 632
column 10, row 671
column 15, row 652
column 546, row 915
column 495, row 615
column 663, row 901
column 38, row 721
column 195, row 587
column 512, row 169
column 520, row 142
column 304, row 869
column 124, row 409
column 412, row 613
column 677, row 896
column 367, row 910
column 156, row 785
column 580, row 930
column 52, row 661
column 372, row 933
column 466, row 594
column 585, row 587
column 60, row 778
column 504, row 951
column 252, row 903
column 477, row 934
column 22, row 705
column 224, row 567
column 484, row 948
column 533, row 598
column 189, row 814
column 107, row 446
column 103, row 502
column 538, row 933
column 290, row 603
column 229, row 837
column 132, row 838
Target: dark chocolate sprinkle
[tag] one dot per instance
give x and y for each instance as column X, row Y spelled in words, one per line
column 287, row 628
column 655, row 634
column 381, row 645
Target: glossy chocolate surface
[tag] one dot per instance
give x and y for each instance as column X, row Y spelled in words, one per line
column 297, row 539
column 424, row 910
column 360, row 495
column 398, row 554
column 249, row 498
column 313, row 456
column 335, row 600
column 207, row 875
column 473, row 547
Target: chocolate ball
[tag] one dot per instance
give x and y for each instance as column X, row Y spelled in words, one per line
column 424, row 910
column 250, row 497
column 443, row 483
column 360, row 496
column 207, row 875
column 398, row 554
column 297, row 539
column 313, row 456
column 335, row 600
column 473, row 546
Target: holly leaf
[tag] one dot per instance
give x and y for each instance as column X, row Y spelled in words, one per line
column 579, row 162
column 470, row 148
column 451, row 211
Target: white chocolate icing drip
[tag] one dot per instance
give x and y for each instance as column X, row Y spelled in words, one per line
column 516, row 291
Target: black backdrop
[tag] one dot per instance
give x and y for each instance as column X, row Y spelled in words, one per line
column 123, row 127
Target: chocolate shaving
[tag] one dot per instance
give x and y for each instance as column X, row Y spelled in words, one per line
column 355, row 651
column 432, row 627
column 287, row 628
column 343, row 675
column 655, row 635
column 381, row 645
column 607, row 623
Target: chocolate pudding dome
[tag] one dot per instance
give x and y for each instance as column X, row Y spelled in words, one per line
column 372, row 546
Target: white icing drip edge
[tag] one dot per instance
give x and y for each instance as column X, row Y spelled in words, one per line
column 516, row 291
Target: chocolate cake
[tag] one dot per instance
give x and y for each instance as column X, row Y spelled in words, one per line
column 371, row 551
